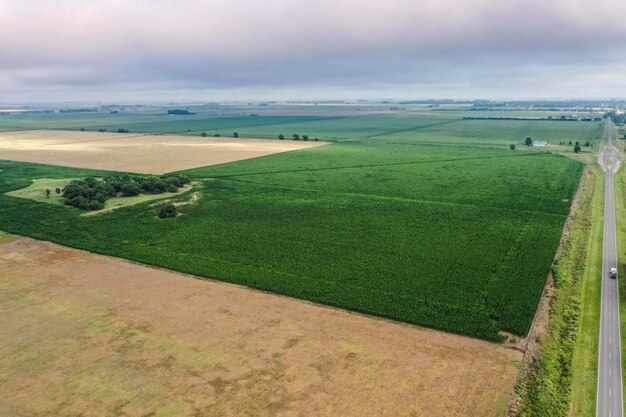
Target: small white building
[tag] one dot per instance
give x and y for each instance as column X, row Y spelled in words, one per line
column 540, row 144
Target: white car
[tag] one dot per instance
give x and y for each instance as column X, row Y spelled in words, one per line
column 613, row 273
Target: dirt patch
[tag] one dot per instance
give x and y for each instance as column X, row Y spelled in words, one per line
column 147, row 154
column 83, row 334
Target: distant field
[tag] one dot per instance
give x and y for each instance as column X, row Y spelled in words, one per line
column 147, row 154
column 455, row 238
column 430, row 129
column 412, row 126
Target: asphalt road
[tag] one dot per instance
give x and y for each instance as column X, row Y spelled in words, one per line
column 610, row 397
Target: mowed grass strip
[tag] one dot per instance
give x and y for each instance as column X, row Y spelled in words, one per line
column 426, row 238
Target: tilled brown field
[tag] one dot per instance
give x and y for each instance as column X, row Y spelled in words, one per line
column 139, row 153
column 88, row 335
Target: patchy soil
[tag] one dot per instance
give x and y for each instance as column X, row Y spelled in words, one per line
column 84, row 334
column 139, row 153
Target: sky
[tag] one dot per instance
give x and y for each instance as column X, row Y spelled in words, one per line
column 230, row 50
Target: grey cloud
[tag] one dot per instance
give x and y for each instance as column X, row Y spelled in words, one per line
column 492, row 47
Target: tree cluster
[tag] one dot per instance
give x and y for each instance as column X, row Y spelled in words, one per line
column 617, row 117
column 91, row 193
column 296, row 136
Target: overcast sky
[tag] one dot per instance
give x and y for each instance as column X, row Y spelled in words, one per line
column 133, row 50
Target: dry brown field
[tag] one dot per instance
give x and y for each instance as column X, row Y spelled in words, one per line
column 89, row 335
column 139, row 153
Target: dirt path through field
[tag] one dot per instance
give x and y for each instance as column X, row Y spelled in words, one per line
column 83, row 334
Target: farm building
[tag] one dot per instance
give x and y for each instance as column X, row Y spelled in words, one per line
column 540, row 144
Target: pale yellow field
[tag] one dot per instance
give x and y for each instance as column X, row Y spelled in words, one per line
column 94, row 336
column 139, row 153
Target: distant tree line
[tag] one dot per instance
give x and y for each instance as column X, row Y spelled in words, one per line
column 217, row 135
column 81, row 110
column 91, row 193
column 296, row 136
column 180, row 112
column 549, row 118
column 120, row 130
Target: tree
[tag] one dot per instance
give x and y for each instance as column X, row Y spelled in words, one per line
column 47, row 193
column 512, row 146
column 154, row 185
column 235, row 134
column 295, row 136
column 94, row 205
column 130, row 189
column 82, row 129
column 203, row 134
column 281, row 137
column 528, row 142
column 316, row 139
column 168, row 211
column 57, row 190
column 577, row 148
column 305, row 137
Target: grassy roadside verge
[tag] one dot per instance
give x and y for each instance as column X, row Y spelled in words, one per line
column 585, row 360
column 560, row 379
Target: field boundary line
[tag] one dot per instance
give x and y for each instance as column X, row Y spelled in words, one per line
column 379, row 165
column 410, row 129
column 384, row 197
